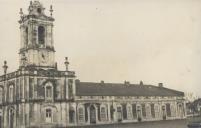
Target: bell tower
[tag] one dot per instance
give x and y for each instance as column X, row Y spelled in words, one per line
column 36, row 28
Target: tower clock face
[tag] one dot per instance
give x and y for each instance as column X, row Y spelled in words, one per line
column 43, row 57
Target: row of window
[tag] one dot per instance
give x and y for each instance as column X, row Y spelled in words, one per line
column 122, row 97
column 10, row 92
column 128, row 112
column 41, row 35
column 20, row 92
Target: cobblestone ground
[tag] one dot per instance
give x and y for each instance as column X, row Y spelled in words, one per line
column 157, row 124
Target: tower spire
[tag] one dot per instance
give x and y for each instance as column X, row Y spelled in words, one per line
column 51, row 10
column 37, row 48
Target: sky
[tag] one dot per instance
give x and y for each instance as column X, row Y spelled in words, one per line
column 156, row 41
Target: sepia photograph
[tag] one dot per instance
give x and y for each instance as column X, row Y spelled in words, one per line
column 100, row 64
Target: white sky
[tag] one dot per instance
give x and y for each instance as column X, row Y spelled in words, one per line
column 116, row 40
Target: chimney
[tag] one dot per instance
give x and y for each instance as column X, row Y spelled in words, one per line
column 141, row 83
column 160, row 85
column 127, row 83
column 77, row 81
column 102, row 82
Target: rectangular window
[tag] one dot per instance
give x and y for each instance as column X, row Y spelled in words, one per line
column 134, row 111
column 119, row 113
column 124, row 111
column 71, row 116
column 129, row 115
column 152, row 111
column 11, row 93
column 168, row 110
column 70, row 88
column 157, row 114
column 17, row 89
column 48, row 92
column 103, row 114
column 31, row 88
column 81, row 115
column 173, row 111
column 1, row 95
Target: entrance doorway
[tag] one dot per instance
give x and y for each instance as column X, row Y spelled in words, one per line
column 11, row 118
column 92, row 114
column 0, row 121
column 48, row 118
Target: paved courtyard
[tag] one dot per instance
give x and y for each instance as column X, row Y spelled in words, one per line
column 157, row 124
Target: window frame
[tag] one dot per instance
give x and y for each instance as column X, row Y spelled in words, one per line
column 81, row 114
column 11, row 93
column 49, row 93
column 41, row 35
column 103, row 114
column 1, row 95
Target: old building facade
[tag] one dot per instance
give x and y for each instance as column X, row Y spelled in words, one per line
column 38, row 94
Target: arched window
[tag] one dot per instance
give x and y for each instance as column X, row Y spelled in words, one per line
column 134, row 110
column 157, row 112
column 103, row 113
column 48, row 91
column 41, row 35
column 173, row 110
column 143, row 110
column 1, row 95
column 81, row 114
column 71, row 115
column 148, row 110
column 168, row 110
column 70, row 88
column 152, row 111
column 129, row 112
column 119, row 113
column 11, row 93
column 139, row 112
column 26, row 36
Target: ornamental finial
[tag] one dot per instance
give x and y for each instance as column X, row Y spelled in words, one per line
column 21, row 13
column 5, row 67
column 66, row 63
column 30, row 6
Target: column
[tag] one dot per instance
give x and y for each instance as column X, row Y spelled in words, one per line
column 184, row 109
column 27, row 88
column 67, row 113
column 97, row 121
column 109, row 113
column 23, row 87
column 27, row 114
column 35, row 88
column 5, row 117
column 23, row 115
column 63, row 112
column 76, row 122
column 88, row 112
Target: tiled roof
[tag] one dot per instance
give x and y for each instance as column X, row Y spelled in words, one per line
column 117, row 89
